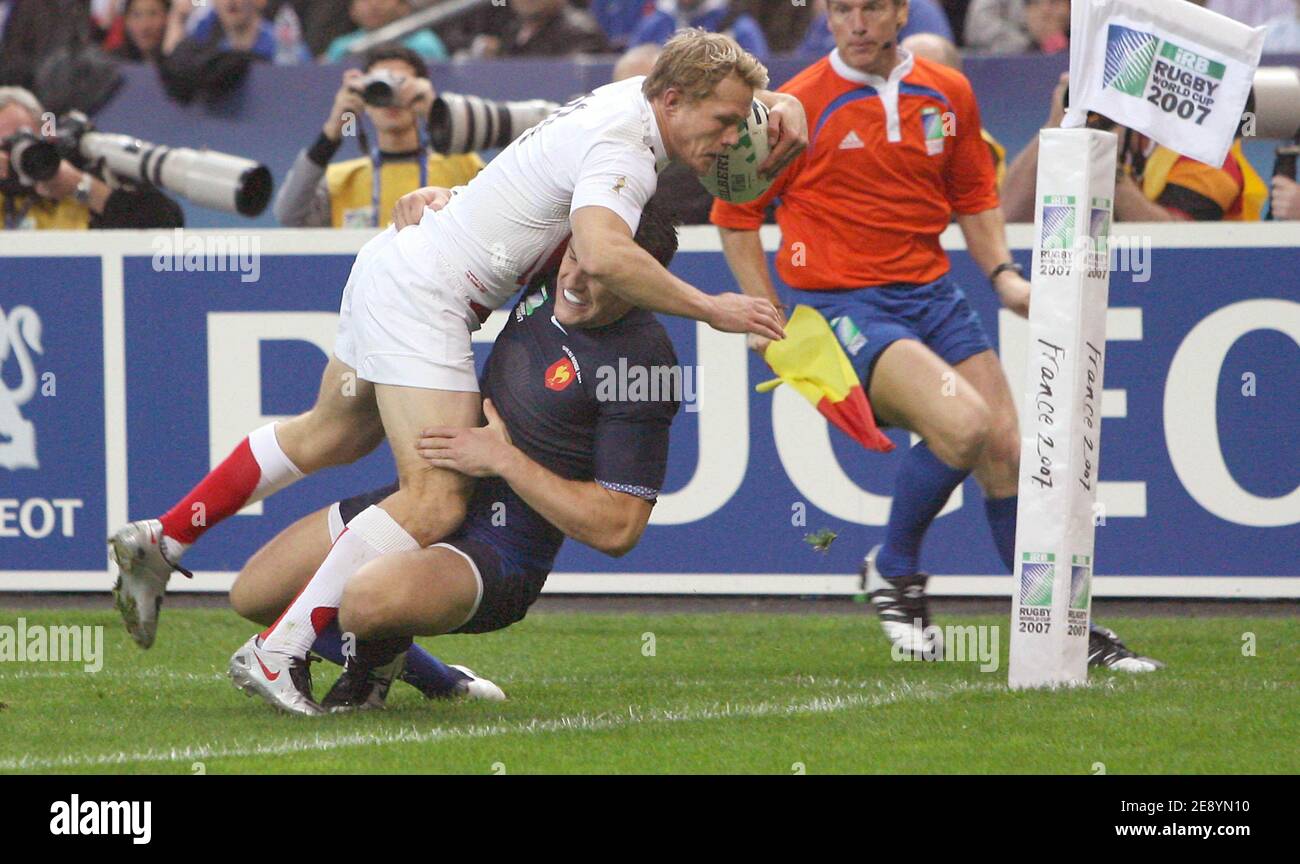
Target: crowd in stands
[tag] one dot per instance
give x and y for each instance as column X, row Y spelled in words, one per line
column 208, row 45
column 298, row 31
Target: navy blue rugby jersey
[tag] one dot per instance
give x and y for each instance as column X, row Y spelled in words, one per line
column 587, row 404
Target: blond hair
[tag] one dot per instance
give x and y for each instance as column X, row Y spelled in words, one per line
column 694, row 61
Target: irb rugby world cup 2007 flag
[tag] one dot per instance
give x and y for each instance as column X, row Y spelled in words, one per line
column 1169, row 69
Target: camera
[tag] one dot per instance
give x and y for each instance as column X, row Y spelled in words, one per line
column 461, row 124
column 207, row 178
column 379, row 89
column 32, row 159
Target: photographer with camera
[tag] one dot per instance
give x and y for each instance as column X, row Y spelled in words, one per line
column 1154, row 183
column 395, row 95
column 64, row 194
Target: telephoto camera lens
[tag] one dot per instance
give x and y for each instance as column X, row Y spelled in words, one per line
column 461, row 124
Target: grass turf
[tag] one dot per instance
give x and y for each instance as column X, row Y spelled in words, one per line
column 720, row 693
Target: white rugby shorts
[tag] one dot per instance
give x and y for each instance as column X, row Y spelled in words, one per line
column 403, row 320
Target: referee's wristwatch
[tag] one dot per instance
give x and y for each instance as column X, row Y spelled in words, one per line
column 1003, row 268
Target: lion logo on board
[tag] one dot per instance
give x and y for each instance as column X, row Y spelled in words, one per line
column 20, row 335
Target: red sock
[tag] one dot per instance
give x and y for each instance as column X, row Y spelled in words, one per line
column 222, row 493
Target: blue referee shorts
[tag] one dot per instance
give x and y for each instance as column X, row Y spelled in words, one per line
column 868, row 320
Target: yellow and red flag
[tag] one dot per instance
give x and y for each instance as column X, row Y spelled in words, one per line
column 811, row 361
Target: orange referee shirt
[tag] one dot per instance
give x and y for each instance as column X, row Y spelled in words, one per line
column 888, row 161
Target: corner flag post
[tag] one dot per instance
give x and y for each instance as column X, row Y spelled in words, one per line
column 1061, row 417
column 1181, row 75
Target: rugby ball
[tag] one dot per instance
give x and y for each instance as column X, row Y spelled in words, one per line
column 734, row 176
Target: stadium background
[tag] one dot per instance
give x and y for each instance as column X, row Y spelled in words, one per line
column 1014, row 95
column 157, row 374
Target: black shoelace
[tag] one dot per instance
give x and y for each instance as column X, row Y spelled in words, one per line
column 300, row 674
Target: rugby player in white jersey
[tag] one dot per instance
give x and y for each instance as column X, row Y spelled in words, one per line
column 403, row 358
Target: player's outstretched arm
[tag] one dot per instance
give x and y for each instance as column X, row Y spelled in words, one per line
column 607, row 521
column 607, row 253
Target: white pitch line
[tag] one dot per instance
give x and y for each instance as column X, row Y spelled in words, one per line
column 583, row 722
column 75, row 671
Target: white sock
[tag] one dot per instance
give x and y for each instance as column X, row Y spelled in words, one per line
column 370, row 534
column 278, row 470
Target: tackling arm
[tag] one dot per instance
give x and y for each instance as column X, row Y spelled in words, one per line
column 607, row 521
column 1020, row 184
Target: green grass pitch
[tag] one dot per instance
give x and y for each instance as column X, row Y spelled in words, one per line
column 720, row 693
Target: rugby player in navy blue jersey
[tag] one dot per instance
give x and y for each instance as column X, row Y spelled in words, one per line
column 559, row 456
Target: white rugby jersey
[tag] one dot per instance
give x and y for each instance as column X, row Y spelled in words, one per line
column 509, row 221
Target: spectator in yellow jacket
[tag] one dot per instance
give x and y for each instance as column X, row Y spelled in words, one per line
column 359, row 192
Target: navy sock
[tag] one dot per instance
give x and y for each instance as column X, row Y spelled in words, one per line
column 428, row 674
column 1001, row 513
column 329, row 643
column 920, row 491
column 422, row 670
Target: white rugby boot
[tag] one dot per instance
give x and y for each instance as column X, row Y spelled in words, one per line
column 903, row 609
column 477, row 687
column 1106, row 651
column 282, row 682
column 143, row 568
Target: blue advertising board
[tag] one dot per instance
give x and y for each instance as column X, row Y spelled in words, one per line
column 52, row 448
column 1200, row 458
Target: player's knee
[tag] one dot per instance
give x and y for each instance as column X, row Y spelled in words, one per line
column 1003, row 448
column 239, row 597
column 245, row 601
column 312, row 441
column 962, row 440
column 367, row 606
column 998, row 470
